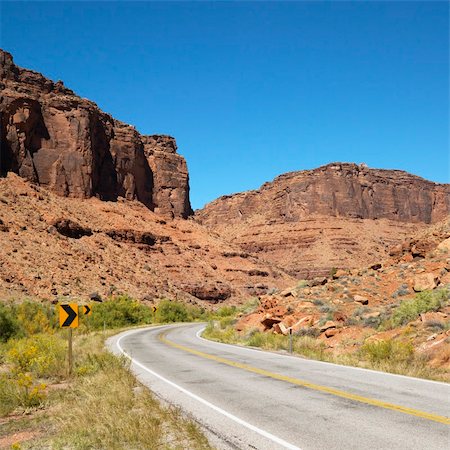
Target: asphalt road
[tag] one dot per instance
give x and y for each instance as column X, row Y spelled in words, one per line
column 251, row 399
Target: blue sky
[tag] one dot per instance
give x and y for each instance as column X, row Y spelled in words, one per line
column 254, row 89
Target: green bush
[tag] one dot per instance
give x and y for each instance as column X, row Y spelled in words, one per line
column 9, row 326
column 170, row 311
column 423, row 302
column 35, row 317
column 226, row 311
column 387, row 350
column 118, row 312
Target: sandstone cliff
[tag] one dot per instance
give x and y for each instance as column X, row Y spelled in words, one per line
column 339, row 215
column 54, row 138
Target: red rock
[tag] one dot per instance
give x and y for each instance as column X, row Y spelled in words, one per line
column 288, row 221
column 268, row 321
column 330, row 332
column 327, row 325
column 360, row 299
column 280, row 328
column 54, row 138
column 425, row 281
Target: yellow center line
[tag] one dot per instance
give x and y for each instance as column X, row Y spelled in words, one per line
column 316, row 387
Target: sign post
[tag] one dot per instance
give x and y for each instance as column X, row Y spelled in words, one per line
column 290, row 340
column 68, row 318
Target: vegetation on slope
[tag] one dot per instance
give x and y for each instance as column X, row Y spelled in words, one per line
column 395, row 355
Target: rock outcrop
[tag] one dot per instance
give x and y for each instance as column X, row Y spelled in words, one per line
column 337, row 216
column 337, row 190
column 54, row 138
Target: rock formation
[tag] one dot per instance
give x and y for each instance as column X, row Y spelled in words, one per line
column 339, row 215
column 54, row 247
column 337, row 190
column 54, row 138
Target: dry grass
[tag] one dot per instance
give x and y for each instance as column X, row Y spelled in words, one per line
column 387, row 356
column 110, row 410
column 103, row 407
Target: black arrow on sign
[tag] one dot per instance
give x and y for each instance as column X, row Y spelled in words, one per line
column 71, row 315
column 87, row 310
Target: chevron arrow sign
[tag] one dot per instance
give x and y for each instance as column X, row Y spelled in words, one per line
column 68, row 315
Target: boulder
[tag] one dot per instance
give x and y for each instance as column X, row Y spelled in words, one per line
column 330, row 332
column 280, row 328
column 268, row 321
column 327, row 325
column 425, row 281
column 360, row 299
column 444, row 246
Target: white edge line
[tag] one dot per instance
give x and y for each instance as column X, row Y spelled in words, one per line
column 203, row 401
column 377, row 372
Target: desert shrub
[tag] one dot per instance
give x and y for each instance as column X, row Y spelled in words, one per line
column 169, row 311
column 387, row 350
column 34, row 317
column 249, row 306
column 310, row 347
column 308, row 331
column 42, row 355
column 19, row 390
column 318, row 302
column 326, row 308
column 373, row 322
column 401, row 291
column 268, row 341
column 226, row 311
column 437, row 325
column 215, row 333
column 118, row 312
column 423, row 302
column 196, row 313
column 9, row 326
column 226, row 322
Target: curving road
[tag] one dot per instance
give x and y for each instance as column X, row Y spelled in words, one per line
column 251, row 399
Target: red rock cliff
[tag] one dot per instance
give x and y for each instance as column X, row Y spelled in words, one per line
column 56, row 139
column 337, row 190
column 339, row 215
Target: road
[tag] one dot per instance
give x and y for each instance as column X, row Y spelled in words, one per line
column 251, row 399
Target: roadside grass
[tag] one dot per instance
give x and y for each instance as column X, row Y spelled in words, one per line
column 106, row 408
column 101, row 406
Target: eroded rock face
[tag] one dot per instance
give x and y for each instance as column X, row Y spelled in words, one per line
column 171, row 178
column 338, row 190
column 54, row 138
column 337, row 216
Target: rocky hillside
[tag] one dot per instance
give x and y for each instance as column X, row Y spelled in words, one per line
column 56, row 139
column 55, row 247
column 374, row 303
column 336, row 216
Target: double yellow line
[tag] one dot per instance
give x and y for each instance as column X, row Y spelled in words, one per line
column 306, row 384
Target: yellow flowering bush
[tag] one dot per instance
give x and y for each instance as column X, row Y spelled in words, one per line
column 42, row 355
